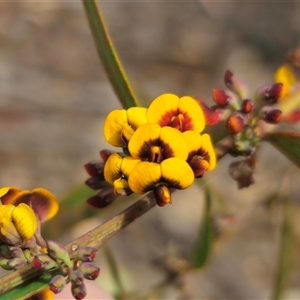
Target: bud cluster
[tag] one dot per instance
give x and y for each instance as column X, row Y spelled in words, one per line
column 95, row 169
column 244, row 117
column 74, row 272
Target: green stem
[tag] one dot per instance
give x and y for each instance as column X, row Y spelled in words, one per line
column 108, row 55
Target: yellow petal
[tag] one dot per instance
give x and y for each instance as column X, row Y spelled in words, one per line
column 193, row 114
column 121, row 187
column 113, row 127
column 136, row 116
column 112, row 168
column 173, row 143
column 208, row 149
column 162, row 109
column 24, row 219
column 138, row 144
column 127, row 165
column 44, row 204
column 193, row 140
column 8, row 231
column 177, row 173
column 144, row 177
column 285, row 75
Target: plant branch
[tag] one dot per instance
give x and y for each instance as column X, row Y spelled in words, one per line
column 101, row 234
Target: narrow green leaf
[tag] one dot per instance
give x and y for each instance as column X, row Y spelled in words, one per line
column 288, row 143
column 28, row 289
column 108, row 55
column 285, row 257
column 114, row 272
column 202, row 246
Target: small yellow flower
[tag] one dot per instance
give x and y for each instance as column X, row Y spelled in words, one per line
column 181, row 113
column 43, row 202
column 154, row 143
column 201, row 156
column 173, row 172
column 285, row 75
column 117, row 170
column 17, row 223
column 121, row 124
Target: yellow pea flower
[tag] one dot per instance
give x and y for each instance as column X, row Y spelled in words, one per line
column 181, row 113
column 17, row 223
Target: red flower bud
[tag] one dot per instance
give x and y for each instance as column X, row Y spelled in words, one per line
column 44, row 262
column 95, row 169
column 235, row 84
column 269, row 92
column 78, row 292
column 104, row 154
column 86, row 253
column 272, row 116
column 103, row 198
column 89, row 270
column 76, row 278
column 235, row 123
column 212, row 117
column 57, row 284
column 247, row 106
column 220, row 97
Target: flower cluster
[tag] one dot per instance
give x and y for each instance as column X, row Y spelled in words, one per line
column 163, row 147
column 21, row 242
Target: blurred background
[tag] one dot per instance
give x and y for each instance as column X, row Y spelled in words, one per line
column 54, row 96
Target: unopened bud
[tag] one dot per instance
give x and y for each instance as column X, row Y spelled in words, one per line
column 102, row 199
column 162, row 195
column 78, row 292
column 105, row 154
column 4, row 264
column 199, row 165
column 212, row 116
column 59, row 253
column 221, row 97
column 44, row 263
column 76, row 278
column 96, row 183
column 86, row 253
column 247, row 106
column 95, row 169
column 235, row 123
column 89, row 270
column 17, row 253
column 269, row 92
column 16, row 263
column 272, row 116
column 57, row 284
column 235, row 84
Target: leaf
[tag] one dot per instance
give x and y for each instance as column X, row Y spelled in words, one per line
column 202, row 246
column 28, row 289
column 288, row 143
column 284, row 262
column 108, row 55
